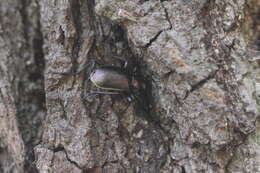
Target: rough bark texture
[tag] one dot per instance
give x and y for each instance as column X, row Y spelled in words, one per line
column 201, row 75
column 22, row 99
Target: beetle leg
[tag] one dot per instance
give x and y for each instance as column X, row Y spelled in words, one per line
column 103, row 92
column 94, row 93
column 92, row 63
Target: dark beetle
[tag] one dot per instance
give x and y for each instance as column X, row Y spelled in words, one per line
column 125, row 79
column 130, row 82
column 119, row 80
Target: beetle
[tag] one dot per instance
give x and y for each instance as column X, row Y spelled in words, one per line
column 117, row 80
column 125, row 79
column 113, row 78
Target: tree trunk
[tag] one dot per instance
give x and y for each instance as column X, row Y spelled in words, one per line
column 197, row 107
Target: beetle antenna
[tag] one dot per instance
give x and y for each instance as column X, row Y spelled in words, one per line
column 77, row 72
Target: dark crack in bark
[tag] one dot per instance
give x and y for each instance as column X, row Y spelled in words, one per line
column 199, row 84
column 153, row 39
column 166, row 15
column 159, row 33
column 61, row 148
column 71, row 161
column 24, row 18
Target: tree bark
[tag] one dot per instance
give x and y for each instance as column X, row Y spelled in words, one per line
column 22, row 102
column 199, row 111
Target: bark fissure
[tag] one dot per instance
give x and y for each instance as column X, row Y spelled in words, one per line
column 62, row 149
column 153, row 39
column 76, row 15
column 200, row 83
column 166, row 15
column 159, row 32
column 24, row 17
column 71, row 161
